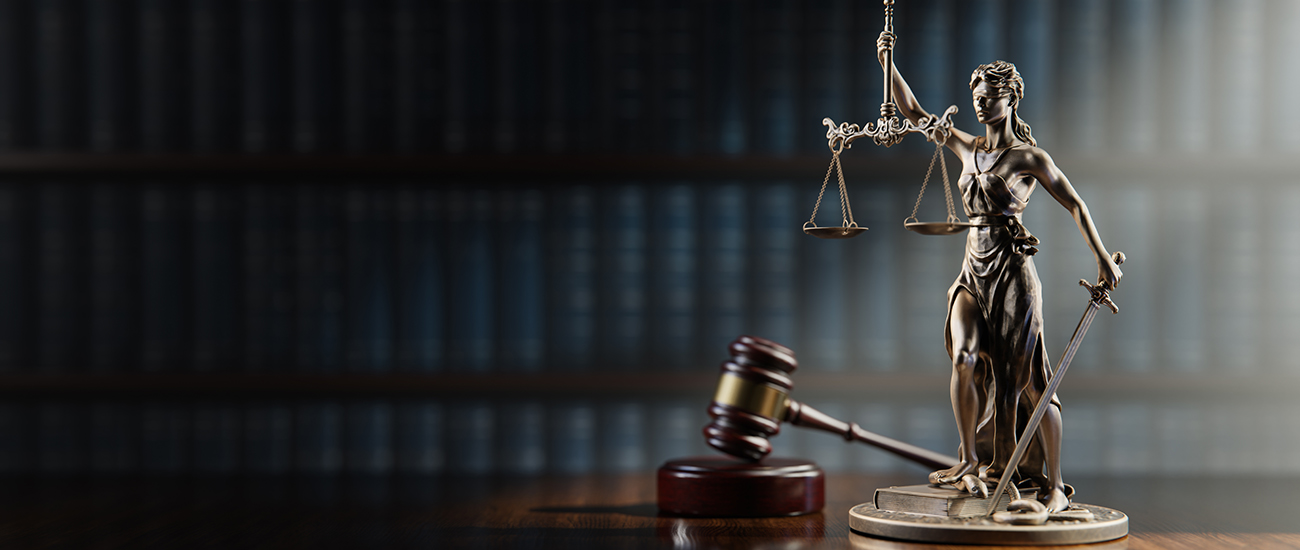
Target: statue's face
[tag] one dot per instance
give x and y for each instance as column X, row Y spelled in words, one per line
column 991, row 104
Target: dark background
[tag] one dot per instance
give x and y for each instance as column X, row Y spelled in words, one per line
column 271, row 236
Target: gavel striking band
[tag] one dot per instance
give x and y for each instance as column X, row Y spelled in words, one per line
column 753, row 398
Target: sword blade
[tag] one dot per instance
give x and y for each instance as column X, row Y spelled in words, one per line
column 1044, row 401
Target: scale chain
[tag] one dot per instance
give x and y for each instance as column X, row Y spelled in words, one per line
column 835, row 157
column 947, row 183
column 846, row 210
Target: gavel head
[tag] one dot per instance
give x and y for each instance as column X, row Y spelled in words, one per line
column 752, row 399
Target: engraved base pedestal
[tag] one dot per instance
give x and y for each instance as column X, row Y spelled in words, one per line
column 1103, row 525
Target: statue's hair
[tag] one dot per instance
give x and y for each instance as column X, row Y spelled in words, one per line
column 1001, row 75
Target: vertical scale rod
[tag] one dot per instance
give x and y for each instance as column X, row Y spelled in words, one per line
column 887, row 107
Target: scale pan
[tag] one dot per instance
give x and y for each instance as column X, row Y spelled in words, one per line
column 938, row 228
column 834, row 232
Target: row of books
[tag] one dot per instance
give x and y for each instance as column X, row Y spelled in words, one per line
column 533, row 437
column 673, row 76
column 622, row 276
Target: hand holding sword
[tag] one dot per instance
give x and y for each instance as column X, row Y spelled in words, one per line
column 1099, row 296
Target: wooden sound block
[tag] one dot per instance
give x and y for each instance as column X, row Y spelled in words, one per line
column 718, row 486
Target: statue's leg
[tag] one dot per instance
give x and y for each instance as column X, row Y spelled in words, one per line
column 964, row 327
column 1009, row 384
column 1049, row 441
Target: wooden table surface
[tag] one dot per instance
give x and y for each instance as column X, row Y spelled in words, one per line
column 596, row 511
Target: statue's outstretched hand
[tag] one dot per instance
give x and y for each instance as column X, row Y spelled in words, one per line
column 884, row 44
column 1108, row 272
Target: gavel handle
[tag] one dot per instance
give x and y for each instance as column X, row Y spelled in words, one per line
column 808, row 417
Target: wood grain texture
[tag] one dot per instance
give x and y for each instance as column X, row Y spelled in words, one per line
column 595, row 511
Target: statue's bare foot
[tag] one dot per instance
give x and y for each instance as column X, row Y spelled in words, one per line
column 951, row 476
column 1055, row 501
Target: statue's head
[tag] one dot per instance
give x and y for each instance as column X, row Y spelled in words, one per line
column 992, row 83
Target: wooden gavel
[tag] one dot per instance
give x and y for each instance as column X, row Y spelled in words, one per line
column 753, row 398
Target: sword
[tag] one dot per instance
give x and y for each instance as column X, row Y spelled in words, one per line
column 1100, row 296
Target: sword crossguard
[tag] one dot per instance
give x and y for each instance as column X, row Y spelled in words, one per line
column 1101, row 291
column 1100, row 294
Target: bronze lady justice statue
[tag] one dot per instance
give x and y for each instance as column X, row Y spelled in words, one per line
column 994, row 326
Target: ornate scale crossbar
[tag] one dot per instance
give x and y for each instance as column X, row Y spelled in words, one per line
column 887, row 131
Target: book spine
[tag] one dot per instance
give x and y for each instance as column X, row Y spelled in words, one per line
column 1240, row 45
column 282, row 260
column 507, row 82
column 163, row 438
column 1190, row 32
column 677, row 74
column 825, row 36
column 57, row 88
column 216, row 432
column 728, row 74
column 308, row 291
column 370, row 438
column 675, row 426
column 16, row 275
column 624, row 437
column 106, row 75
column 419, row 438
column 624, row 282
column 213, row 75
column 775, row 255
column 16, row 74
column 1136, row 70
column 1084, row 82
column 268, row 443
column 417, row 74
column 370, row 311
column 877, row 340
column 1128, row 438
column 1282, row 312
column 113, row 282
column 673, row 297
column 61, row 441
column 471, row 298
column 257, row 278
column 1236, row 276
column 1179, row 445
column 1032, row 47
column 468, row 86
column 522, row 283
column 318, row 448
column 574, row 281
column 823, row 298
column 928, row 271
column 929, row 425
column 313, row 32
column 367, row 75
column 114, row 447
column 472, row 438
column 163, row 320
column 17, row 438
column 158, row 50
column 573, row 438
column 262, row 91
column 724, row 265
column 523, row 438
column 1285, row 74
column 215, row 278
column 419, row 280
column 776, row 77
column 58, row 322
column 1183, row 331
column 333, row 259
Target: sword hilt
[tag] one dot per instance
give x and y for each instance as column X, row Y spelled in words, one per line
column 1101, row 291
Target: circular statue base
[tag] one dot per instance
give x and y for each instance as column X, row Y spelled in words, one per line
column 1106, row 524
